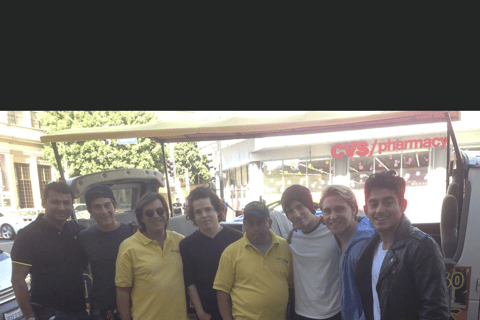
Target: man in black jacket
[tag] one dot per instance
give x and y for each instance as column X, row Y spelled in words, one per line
column 400, row 273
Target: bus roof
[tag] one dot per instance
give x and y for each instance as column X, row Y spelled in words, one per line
column 253, row 127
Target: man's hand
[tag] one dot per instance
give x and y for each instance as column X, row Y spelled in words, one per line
column 134, row 225
column 223, row 299
column 204, row 316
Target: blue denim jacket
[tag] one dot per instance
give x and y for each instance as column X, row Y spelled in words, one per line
column 351, row 301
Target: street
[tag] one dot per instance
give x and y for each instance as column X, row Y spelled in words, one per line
column 6, row 245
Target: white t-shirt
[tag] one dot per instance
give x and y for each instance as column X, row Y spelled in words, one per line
column 378, row 257
column 317, row 276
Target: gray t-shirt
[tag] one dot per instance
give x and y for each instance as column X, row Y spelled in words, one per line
column 263, row 248
column 101, row 249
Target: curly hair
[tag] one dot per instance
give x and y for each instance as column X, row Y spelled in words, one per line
column 203, row 193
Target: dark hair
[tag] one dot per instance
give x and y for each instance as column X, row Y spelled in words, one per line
column 59, row 187
column 146, row 199
column 99, row 191
column 385, row 180
column 203, row 193
column 343, row 192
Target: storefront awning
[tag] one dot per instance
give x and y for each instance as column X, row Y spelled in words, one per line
column 247, row 127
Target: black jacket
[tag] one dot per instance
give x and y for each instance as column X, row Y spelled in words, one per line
column 412, row 282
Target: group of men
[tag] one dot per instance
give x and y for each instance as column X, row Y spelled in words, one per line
column 56, row 252
column 340, row 265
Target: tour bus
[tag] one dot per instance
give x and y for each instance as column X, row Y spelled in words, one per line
column 457, row 233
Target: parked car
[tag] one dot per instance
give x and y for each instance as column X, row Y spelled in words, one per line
column 81, row 211
column 11, row 222
column 9, row 309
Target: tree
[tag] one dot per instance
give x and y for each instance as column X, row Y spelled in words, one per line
column 187, row 157
column 84, row 157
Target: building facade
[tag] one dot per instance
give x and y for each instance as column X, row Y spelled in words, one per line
column 24, row 172
column 267, row 166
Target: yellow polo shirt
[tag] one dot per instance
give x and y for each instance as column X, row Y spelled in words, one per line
column 155, row 275
column 257, row 284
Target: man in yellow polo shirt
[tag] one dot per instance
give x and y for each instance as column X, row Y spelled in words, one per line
column 255, row 271
column 149, row 268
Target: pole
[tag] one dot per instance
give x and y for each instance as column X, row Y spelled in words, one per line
column 172, row 150
column 59, row 163
column 1, row 185
column 166, row 178
column 222, row 182
column 187, row 181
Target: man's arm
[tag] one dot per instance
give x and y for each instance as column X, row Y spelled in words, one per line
column 223, row 305
column 189, row 276
column 197, row 303
column 431, row 282
column 124, row 303
column 19, row 273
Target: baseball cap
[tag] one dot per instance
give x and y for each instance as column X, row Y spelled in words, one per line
column 257, row 208
column 299, row 193
column 98, row 191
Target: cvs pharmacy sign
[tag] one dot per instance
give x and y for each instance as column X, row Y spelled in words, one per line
column 363, row 148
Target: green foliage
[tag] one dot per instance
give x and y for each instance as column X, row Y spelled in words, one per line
column 84, row 157
column 187, row 157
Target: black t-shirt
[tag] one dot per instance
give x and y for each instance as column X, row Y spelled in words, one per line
column 57, row 263
column 201, row 256
column 177, row 207
column 101, row 249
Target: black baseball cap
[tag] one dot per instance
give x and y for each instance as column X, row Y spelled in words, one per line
column 98, row 191
column 258, row 209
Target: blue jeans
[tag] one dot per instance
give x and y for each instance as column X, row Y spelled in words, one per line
column 43, row 313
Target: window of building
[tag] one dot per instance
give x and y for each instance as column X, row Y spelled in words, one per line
column 24, row 185
column 238, row 177
column 15, row 117
column 360, row 169
column 294, row 172
column 245, row 176
column 320, row 173
column 3, row 174
column 315, row 174
column 415, row 168
column 35, row 122
column 44, row 176
column 387, row 162
column 236, row 189
column 230, row 178
column 272, row 180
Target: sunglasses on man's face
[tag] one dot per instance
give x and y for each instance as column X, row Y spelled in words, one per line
column 160, row 212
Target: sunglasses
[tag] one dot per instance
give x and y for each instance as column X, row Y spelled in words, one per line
column 160, row 212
